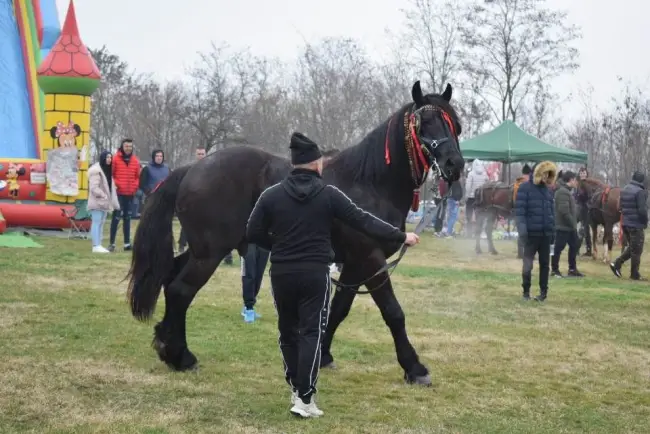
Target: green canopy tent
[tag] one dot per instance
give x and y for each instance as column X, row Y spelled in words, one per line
column 508, row 143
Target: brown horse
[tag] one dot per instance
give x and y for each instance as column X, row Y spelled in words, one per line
column 603, row 207
column 493, row 199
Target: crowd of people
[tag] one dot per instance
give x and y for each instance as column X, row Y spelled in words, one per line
column 548, row 208
column 114, row 182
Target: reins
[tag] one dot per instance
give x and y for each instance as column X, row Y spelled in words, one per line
column 390, row 266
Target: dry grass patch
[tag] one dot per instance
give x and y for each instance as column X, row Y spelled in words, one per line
column 14, row 313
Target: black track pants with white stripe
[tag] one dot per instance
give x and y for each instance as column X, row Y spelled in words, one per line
column 302, row 301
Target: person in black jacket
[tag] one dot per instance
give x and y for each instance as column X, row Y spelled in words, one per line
column 634, row 209
column 582, row 200
column 566, row 226
column 535, row 216
column 293, row 219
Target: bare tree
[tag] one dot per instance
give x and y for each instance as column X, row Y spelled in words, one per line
column 109, row 101
column 514, row 44
column 332, row 97
column 156, row 121
column 617, row 139
column 219, row 83
column 432, row 37
column 266, row 120
column 472, row 108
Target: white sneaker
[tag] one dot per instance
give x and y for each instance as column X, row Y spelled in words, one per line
column 306, row 410
column 294, row 397
column 100, row 249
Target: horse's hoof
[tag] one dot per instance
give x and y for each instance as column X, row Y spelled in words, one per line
column 479, row 252
column 494, row 252
column 421, row 380
column 330, row 365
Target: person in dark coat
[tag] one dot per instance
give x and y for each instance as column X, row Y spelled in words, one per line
column 154, row 172
column 253, row 264
column 525, row 172
column 634, row 208
column 293, row 219
column 583, row 210
column 566, row 225
column 535, row 216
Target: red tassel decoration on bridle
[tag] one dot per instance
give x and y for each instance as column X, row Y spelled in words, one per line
column 415, row 205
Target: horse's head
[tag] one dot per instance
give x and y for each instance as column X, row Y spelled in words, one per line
column 587, row 187
column 435, row 123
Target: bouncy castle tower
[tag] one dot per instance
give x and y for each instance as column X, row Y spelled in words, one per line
column 50, row 78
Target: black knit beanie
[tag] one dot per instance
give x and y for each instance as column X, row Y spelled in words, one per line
column 303, row 149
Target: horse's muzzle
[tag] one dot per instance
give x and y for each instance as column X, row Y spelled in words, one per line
column 453, row 167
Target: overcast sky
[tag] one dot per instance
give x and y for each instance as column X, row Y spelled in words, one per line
column 163, row 36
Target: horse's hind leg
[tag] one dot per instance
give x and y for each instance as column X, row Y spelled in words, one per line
column 169, row 334
column 489, row 228
column 393, row 315
column 339, row 310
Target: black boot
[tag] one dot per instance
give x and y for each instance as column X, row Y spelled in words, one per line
column 542, row 294
column 526, row 295
column 616, row 268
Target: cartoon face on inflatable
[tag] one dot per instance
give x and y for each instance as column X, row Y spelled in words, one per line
column 66, row 135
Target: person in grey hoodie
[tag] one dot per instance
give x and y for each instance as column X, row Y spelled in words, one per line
column 154, row 173
column 476, row 179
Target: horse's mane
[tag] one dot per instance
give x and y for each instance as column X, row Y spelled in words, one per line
column 594, row 183
column 365, row 162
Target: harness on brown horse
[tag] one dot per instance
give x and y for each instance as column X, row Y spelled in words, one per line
column 598, row 200
column 485, row 195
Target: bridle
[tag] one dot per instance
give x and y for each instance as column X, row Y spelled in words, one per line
column 421, row 149
column 417, row 146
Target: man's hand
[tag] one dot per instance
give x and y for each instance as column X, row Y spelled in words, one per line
column 411, row 239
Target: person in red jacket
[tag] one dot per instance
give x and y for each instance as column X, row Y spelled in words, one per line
column 126, row 177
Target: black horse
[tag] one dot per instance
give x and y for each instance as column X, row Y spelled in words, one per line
column 213, row 199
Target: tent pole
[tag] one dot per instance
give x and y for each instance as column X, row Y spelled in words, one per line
column 509, row 178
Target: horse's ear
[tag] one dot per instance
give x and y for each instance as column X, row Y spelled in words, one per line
column 416, row 93
column 446, row 95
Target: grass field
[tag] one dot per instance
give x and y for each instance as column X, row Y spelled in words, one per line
column 73, row 359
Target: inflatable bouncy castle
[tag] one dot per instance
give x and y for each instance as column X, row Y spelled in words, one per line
column 48, row 78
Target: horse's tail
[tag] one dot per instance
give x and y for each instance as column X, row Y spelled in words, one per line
column 152, row 260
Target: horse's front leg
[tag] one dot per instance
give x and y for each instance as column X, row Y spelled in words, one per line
column 608, row 242
column 594, row 241
column 489, row 228
column 393, row 315
column 478, row 229
column 339, row 310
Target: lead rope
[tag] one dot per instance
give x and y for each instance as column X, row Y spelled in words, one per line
column 390, row 266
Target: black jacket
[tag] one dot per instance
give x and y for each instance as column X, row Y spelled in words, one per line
column 294, row 220
column 634, row 206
